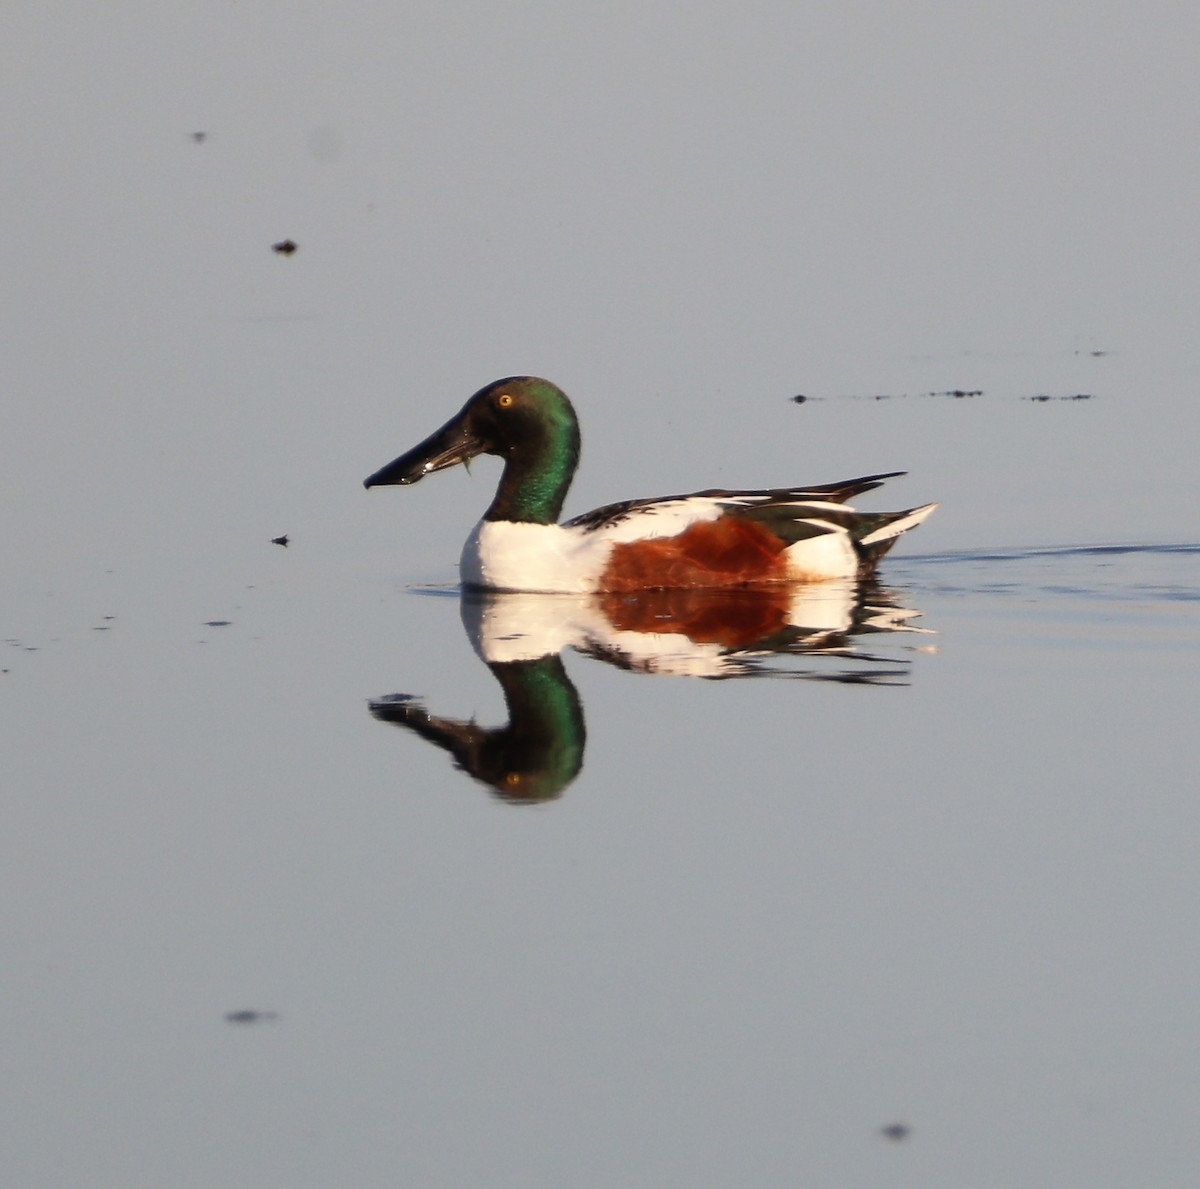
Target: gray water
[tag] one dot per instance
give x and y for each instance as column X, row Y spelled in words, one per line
column 908, row 899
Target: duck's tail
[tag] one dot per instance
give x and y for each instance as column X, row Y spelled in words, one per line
column 884, row 533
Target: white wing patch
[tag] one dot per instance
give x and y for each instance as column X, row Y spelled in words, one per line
column 665, row 519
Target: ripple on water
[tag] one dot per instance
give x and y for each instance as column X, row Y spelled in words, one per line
column 1133, row 574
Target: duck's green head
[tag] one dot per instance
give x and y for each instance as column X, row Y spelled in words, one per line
column 526, row 421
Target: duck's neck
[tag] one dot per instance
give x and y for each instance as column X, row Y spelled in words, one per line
column 537, row 475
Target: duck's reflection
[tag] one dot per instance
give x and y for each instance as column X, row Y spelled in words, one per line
column 714, row 634
column 531, row 759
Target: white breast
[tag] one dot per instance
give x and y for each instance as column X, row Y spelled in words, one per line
column 501, row 555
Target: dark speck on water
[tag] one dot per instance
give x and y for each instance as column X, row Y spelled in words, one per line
column 199, row 137
column 280, row 540
column 896, row 1131
column 250, row 1016
column 954, row 393
column 217, row 623
column 285, row 247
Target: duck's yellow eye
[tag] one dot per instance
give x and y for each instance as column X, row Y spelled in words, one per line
column 505, row 400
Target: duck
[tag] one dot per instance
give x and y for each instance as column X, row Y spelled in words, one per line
column 707, row 539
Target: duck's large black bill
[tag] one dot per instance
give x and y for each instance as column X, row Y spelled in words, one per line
column 453, row 443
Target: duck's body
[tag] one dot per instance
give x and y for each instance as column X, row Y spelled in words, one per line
column 711, row 538
column 708, row 539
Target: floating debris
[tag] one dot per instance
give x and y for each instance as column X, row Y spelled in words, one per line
column 250, row 1016
column 950, row 393
column 285, row 247
column 199, row 137
column 218, row 623
column 280, row 540
column 896, row 1132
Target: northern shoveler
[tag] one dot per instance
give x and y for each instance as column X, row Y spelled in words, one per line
column 707, row 539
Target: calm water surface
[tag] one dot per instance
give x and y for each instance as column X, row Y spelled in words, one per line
column 943, row 879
